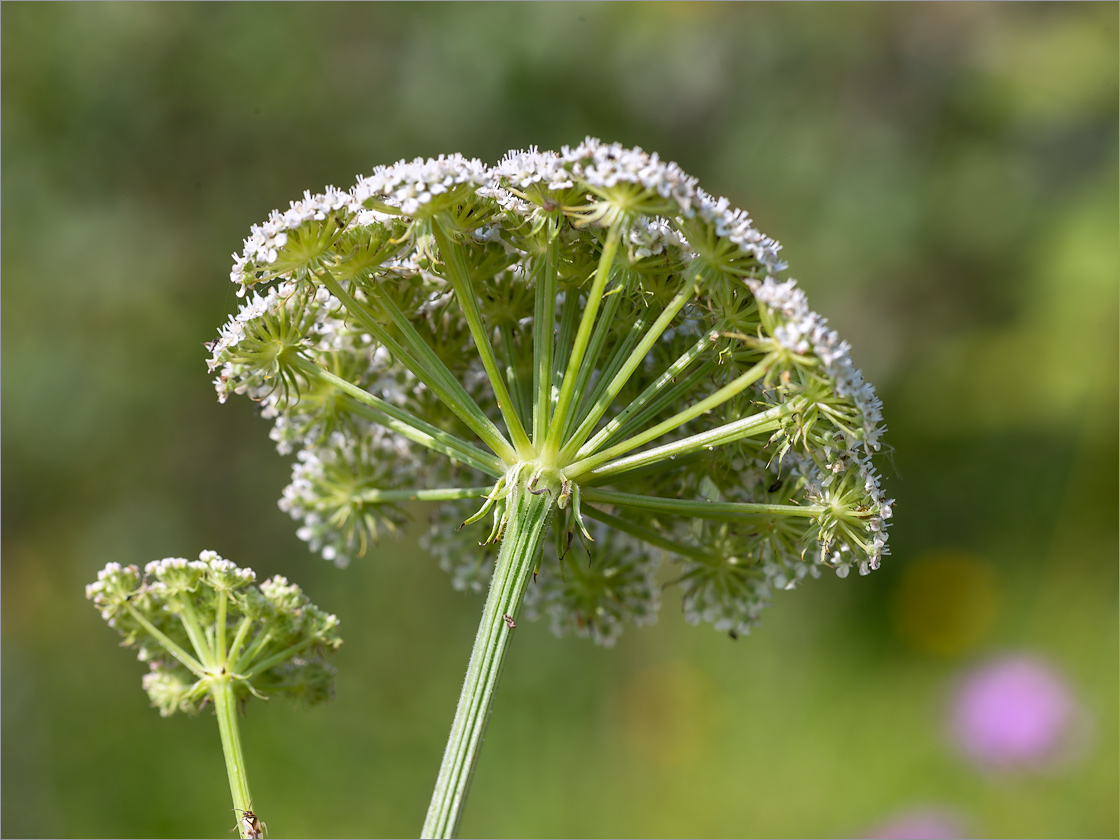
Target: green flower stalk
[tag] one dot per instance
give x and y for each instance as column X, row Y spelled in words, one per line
column 589, row 362
column 209, row 635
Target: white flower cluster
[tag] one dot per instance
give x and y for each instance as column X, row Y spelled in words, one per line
column 851, row 480
column 734, row 567
column 803, row 331
column 232, row 333
column 173, row 615
column 409, row 186
column 114, row 584
column 331, row 486
column 470, row 571
column 522, row 170
column 602, row 585
column 653, row 237
column 240, row 353
column 173, row 576
column 392, row 324
column 604, row 166
column 265, row 241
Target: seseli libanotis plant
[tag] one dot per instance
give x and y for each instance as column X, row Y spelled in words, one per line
column 585, row 352
column 210, row 635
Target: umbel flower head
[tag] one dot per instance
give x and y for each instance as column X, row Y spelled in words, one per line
column 199, row 622
column 588, row 324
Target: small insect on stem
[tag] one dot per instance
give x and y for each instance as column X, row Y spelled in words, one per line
column 508, row 619
column 250, row 824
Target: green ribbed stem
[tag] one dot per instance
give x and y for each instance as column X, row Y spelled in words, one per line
column 521, row 547
column 225, row 707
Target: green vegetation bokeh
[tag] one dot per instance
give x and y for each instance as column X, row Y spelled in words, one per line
column 943, row 178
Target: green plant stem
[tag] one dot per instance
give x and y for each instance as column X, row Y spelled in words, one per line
column 650, row 536
column 618, row 380
column 255, row 649
column 440, row 494
column 528, row 518
column 424, row 363
column 579, row 347
column 239, row 637
column 737, row 386
column 457, row 273
column 603, row 327
column 220, row 625
column 544, row 323
column 650, row 393
column 519, row 389
column 757, row 424
column 699, row 508
column 225, row 707
column 280, row 655
column 562, row 345
column 203, row 647
column 406, row 424
column 188, row 661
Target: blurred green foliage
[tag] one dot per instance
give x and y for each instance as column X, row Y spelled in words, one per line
column 944, row 180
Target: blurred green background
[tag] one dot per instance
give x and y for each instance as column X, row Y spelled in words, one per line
column 944, row 180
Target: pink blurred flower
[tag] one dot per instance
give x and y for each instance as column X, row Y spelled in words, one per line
column 1013, row 712
column 919, row 824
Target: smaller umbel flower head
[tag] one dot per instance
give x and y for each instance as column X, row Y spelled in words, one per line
column 198, row 622
column 587, row 324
